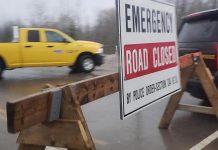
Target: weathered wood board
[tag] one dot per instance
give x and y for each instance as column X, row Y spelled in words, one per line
column 28, row 111
column 34, row 109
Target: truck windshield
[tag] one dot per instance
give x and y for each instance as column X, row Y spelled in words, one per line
column 199, row 31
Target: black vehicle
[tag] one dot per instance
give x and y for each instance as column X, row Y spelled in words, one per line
column 199, row 33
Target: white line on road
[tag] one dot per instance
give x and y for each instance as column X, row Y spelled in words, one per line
column 205, row 142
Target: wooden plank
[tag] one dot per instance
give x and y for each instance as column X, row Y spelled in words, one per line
column 205, row 142
column 71, row 110
column 175, row 99
column 186, row 61
column 90, row 90
column 63, row 133
column 34, row 109
column 27, row 111
column 210, row 74
column 197, row 109
column 208, row 84
column 54, row 133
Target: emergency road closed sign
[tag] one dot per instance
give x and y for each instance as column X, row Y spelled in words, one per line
column 148, row 53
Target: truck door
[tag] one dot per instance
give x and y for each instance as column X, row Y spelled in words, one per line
column 37, row 52
column 59, row 46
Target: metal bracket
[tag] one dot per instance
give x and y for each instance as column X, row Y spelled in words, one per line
column 55, row 105
column 195, row 59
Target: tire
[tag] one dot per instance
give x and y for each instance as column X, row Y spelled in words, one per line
column 196, row 90
column 86, row 63
column 2, row 68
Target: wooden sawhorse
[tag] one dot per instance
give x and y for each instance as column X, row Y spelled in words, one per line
column 192, row 66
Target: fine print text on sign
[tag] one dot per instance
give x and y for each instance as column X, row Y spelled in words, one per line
column 148, row 53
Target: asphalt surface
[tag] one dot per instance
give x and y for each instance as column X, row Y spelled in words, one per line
column 138, row 132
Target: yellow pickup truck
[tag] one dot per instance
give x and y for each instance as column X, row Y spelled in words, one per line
column 42, row 47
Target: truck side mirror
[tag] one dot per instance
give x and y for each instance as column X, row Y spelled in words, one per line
column 66, row 41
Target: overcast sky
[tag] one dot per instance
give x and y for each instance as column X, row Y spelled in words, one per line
column 86, row 9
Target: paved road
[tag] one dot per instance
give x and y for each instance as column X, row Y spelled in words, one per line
column 22, row 82
column 138, row 132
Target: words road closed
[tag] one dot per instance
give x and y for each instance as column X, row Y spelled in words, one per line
column 142, row 59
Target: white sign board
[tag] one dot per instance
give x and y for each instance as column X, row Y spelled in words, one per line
column 148, row 53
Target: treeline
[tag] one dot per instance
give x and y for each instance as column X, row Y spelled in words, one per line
column 103, row 31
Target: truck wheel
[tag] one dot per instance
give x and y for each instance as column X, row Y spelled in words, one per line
column 86, row 63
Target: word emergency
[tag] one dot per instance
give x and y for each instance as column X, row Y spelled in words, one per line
column 146, row 20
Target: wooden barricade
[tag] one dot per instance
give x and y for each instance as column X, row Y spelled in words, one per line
column 34, row 116
column 192, row 66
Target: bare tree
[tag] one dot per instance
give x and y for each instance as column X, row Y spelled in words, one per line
column 63, row 20
column 105, row 30
column 37, row 14
column 67, row 24
column 6, row 34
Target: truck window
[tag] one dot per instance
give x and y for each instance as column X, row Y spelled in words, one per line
column 199, row 31
column 33, row 36
column 54, row 37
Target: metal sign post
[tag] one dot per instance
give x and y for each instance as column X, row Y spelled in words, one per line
column 148, row 53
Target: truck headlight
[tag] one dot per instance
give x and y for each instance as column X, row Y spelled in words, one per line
column 100, row 50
